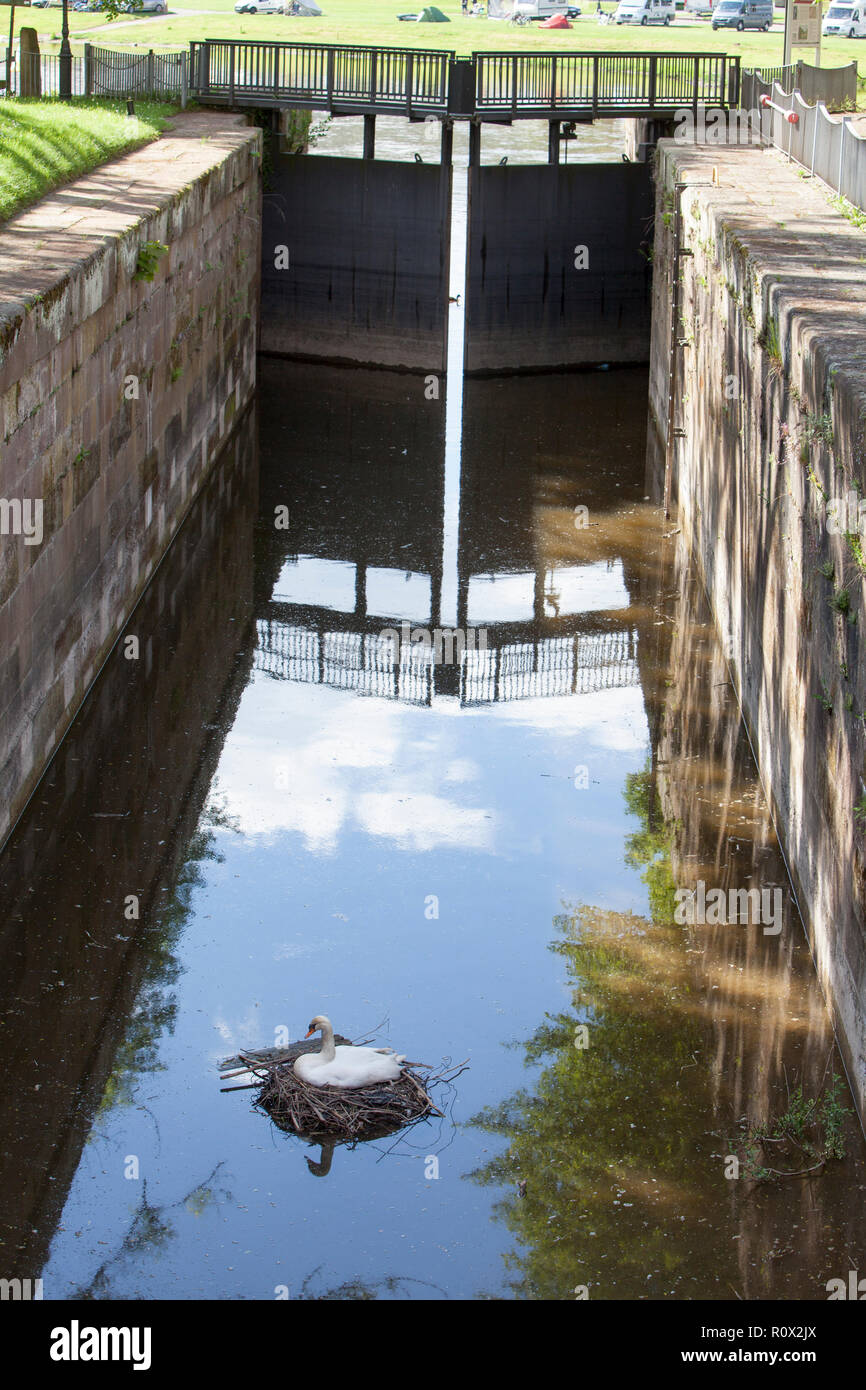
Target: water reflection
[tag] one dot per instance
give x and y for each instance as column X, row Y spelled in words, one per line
column 305, row 829
column 98, row 880
column 676, row 1038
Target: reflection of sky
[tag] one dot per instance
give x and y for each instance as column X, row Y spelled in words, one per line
column 395, row 594
column 389, row 770
column 353, row 815
column 504, row 598
column 306, row 579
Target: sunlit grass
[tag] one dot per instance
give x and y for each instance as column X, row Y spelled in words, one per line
column 375, row 22
column 44, row 143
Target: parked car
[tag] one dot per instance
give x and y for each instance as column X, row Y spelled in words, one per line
column 743, row 14
column 645, row 12
column 849, row 20
column 145, row 7
column 260, row 7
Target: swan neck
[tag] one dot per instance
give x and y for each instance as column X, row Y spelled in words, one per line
column 328, row 1050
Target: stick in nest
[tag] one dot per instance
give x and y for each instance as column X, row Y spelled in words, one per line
column 366, row 1112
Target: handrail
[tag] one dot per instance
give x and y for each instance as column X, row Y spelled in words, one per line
column 418, row 81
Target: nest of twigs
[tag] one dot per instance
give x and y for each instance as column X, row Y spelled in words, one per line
column 330, row 1112
column 367, row 1112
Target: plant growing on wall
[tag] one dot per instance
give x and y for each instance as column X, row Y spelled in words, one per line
column 805, row 1138
column 149, row 257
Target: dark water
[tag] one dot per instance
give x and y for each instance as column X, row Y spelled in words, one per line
column 292, row 817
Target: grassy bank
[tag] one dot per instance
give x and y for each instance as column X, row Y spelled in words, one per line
column 46, row 143
column 375, row 22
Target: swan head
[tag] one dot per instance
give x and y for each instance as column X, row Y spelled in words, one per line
column 319, row 1022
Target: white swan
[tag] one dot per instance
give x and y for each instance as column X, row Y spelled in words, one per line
column 345, row 1067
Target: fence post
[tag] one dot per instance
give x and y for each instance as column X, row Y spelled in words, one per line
column 410, row 82
column 88, row 70
column 841, row 148
column 231, row 75
column 651, row 97
column 184, row 81
column 149, row 74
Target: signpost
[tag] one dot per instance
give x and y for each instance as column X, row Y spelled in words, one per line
column 9, row 49
column 802, row 29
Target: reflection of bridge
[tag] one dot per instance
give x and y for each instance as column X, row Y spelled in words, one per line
column 321, row 649
column 354, row 80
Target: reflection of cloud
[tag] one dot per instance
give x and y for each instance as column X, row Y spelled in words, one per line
column 461, row 770
column 244, row 1034
column 320, row 762
column 611, row 719
column 424, row 822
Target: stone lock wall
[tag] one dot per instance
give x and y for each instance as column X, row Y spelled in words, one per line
column 116, row 396
column 771, row 408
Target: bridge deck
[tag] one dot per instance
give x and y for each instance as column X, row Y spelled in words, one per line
column 488, row 86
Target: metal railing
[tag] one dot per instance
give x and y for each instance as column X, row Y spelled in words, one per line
column 828, row 148
column 395, row 80
column 38, row 75
column 537, row 668
column 835, row 87
column 107, row 73
column 101, row 72
column 602, row 83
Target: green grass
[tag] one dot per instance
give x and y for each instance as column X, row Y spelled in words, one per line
column 375, row 22
column 46, row 143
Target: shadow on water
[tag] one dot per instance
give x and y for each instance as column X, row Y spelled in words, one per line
column 281, row 803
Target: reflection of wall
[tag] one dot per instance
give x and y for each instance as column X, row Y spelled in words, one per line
column 527, row 305
column 358, row 459
column 359, row 502
column 367, row 242
column 108, row 821
column 766, row 1024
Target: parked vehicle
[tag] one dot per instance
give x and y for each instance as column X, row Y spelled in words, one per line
column 699, row 7
column 743, row 14
column 849, row 20
column 146, row 7
column 645, row 12
column 259, row 7
column 545, row 9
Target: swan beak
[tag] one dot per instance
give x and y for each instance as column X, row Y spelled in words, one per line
column 310, row 1034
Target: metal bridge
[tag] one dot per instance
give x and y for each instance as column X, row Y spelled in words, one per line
column 418, row 83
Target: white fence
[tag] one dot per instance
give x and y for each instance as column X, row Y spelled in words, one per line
column 829, row 148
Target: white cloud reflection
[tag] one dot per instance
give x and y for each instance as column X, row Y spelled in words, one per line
column 323, row 763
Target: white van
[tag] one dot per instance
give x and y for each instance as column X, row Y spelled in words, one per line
column 849, row 20
column 702, row 7
column 645, row 11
